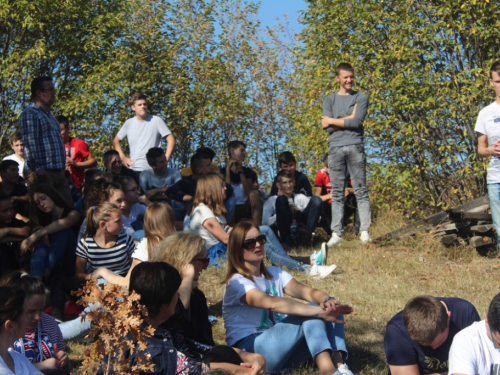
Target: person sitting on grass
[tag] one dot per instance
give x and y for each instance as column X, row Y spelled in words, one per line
column 157, row 284
column 43, row 342
column 12, row 230
column 287, row 162
column 418, row 339
column 12, row 187
column 289, row 206
column 133, row 211
column 259, row 319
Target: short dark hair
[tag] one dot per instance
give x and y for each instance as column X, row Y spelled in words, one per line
column 425, row 317
column 108, row 155
column 344, row 66
column 6, row 164
column 494, row 314
column 137, row 96
column 61, row 119
column 234, row 144
column 156, row 282
column 196, row 161
column 37, row 84
column 11, row 304
column 285, row 173
column 152, row 154
column 286, row 157
column 495, row 67
column 15, row 137
column 4, row 197
column 207, row 151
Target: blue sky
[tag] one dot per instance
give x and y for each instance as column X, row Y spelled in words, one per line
column 272, row 9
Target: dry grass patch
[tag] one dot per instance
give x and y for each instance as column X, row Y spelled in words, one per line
column 377, row 282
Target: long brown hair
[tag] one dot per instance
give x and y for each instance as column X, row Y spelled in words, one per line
column 159, row 223
column 235, row 260
column 209, row 192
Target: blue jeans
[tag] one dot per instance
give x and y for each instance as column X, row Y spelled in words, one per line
column 341, row 159
column 494, row 196
column 284, row 215
column 62, row 247
column 277, row 255
column 294, row 341
column 230, row 205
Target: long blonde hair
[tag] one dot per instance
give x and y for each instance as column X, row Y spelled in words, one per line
column 178, row 249
column 159, row 223
column 209, row 192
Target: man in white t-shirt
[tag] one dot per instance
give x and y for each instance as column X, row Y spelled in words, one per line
column 16, row 143
column 476, row 349
column 488, row 144
column 143, row 132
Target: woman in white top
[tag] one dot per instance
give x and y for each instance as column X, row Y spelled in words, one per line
column 259, row 319
column 13, row 323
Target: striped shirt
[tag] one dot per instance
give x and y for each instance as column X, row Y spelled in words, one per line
column 116, row 258
column 41, row 134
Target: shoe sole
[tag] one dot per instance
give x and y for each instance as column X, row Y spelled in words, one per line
column 324, row 251
column 318, row 277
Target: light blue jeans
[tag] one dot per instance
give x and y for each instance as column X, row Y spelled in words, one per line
column 353, row 159
column 494, row 196
column 277, row 255
column 294, row 341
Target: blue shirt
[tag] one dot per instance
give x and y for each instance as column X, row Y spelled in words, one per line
column 41, row 135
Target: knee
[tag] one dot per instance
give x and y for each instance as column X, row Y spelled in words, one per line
column 316, row 201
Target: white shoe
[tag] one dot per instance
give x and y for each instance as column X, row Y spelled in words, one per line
column 320, row 272
column 365, row 237
column 334, row 240
column 343, row 370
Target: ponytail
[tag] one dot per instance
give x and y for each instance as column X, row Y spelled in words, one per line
column 96, row 214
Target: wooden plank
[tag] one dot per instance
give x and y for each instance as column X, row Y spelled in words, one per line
column 430, row 221
column 484, row 228
column 448, row 239
column 469, row 216
column 477, row 241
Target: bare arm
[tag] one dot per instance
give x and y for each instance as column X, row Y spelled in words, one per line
column 111, row 278
column 304, row 292
column 317, row 192
column 89, row 162
column 20, row 232
column 187, row 284
column 214, row 227
column 126, row 160
column 486, row 151
column 338, row 122
column 405, row 370
column 81, row 274
column 170, row 146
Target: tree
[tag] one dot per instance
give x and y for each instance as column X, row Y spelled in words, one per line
column 424, row 66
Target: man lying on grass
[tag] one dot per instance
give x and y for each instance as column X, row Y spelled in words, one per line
column 417, row 340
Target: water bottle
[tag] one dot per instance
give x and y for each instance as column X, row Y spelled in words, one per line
column 293, row 230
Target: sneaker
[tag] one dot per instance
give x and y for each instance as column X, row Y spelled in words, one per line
column 343, row 370
column 364, row 237
column 334, row 240
column 319, row 257
column 320, row 272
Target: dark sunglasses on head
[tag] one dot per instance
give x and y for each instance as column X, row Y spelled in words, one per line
column 251, row 242
column 205, row 261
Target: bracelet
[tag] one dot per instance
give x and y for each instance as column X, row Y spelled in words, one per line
column 328, row 299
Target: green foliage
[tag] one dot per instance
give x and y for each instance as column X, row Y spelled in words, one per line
column 424, row 66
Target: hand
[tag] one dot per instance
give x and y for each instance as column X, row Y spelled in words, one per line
column 28, row 244
column 293, row 207
column 97, row 274
column 61, row 356
column 495, row 148
column 3, row 232
column 326, row 170
column 128, row 162
column 40, row 172
column 331, row 313
column 70, row 162
column 257, row 369
column 330, row 305
column 325, row 121
column 348, row 191
column 188, row 272
column 50, row 364
column 228, row 229
column 234, row 165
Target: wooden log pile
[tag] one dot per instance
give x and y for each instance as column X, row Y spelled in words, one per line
column 467, row 224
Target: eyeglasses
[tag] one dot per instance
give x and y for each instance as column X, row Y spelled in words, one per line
column 493, row 339
column 52, row 90
column 136, row 189
column 205, row 261
column 250, row 243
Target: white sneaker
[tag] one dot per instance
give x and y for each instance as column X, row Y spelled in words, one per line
column 365, row 237
column 320, row 272
column 319, row 257
column 343, row 370
column 334, row 240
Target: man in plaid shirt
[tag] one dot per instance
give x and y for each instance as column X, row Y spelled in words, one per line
column 44, row 148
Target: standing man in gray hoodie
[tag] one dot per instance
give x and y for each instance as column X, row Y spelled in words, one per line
column 343, row 114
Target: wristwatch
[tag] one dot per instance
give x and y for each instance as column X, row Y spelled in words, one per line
column 328, row 299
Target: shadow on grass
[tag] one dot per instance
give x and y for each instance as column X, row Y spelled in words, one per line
column 362, row 360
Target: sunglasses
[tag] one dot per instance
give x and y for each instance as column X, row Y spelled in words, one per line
column 251, row 242
column 205, row 261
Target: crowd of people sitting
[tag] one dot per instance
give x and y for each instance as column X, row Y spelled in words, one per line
column 138, row 223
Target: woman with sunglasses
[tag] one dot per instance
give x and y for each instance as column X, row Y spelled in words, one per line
column 187, row 252
column 209, row 221
column 133, row 211
column 259, row 319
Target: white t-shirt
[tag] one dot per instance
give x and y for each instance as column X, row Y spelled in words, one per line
column 488, row 123
column 242, row 320
column 141, row 251
column 21, row 365
column 200, row 214
column 143, row 135
column 473, row 353
column 269, row 212
column 16, row 158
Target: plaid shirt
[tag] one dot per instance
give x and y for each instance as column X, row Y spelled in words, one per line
column 41, row 135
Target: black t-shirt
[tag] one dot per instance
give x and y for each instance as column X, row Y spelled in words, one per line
column 20, row 190
column 235, row 177
column 400, row 350
column 302, row 185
